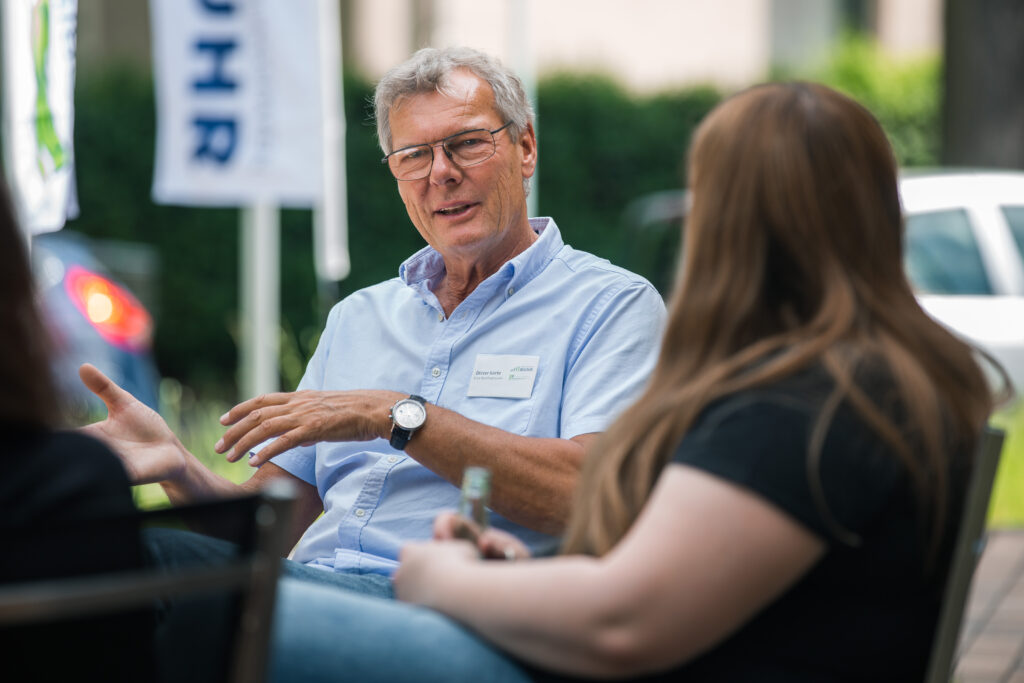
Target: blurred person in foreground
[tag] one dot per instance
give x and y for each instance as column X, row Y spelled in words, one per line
column 779, row 505
column 497, row 345
column 63, row 499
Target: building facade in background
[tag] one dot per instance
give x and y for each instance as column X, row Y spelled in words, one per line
column 647, row 45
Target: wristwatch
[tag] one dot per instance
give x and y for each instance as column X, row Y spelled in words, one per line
column 407, row 415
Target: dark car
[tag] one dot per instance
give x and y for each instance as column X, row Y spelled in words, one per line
column 92, row 318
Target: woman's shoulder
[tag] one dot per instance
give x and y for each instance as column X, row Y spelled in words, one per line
column 771, row 440
column 790, row 402
column 796, row 401
column 78, row 452
column 54, row 476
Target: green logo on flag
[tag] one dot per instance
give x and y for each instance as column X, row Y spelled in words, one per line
column 49, row 151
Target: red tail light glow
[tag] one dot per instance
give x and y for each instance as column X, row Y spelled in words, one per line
column 112, row 311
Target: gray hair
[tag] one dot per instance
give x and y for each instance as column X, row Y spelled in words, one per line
column 428, row 71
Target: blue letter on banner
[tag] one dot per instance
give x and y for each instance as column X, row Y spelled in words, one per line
column 217, row 80
column 217, row 138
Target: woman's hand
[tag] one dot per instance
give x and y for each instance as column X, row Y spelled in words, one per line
column 491, row 543
column 425, row 568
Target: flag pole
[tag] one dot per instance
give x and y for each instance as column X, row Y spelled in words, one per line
column 259, row 299
column 330, row 214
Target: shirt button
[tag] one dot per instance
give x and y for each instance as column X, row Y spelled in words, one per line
column 511, row 291
column 440, row 317
column 392, row 458
column 360, row 512
column 436, row 372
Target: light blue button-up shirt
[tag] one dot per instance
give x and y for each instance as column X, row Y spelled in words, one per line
column 595, row 328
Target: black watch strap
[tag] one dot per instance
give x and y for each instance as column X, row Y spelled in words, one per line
column 400, row 435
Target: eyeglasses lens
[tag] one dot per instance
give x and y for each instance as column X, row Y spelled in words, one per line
column 465, row 149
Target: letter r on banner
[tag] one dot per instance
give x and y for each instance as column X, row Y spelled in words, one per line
column 217, row 138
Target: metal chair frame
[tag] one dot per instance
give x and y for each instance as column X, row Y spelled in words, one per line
column 970, row 543
column 255, row 575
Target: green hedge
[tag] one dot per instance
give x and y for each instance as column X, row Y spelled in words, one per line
column 600, row 148
column 905, row 95
column 198, row 248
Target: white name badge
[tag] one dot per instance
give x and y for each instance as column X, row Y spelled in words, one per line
column 503, row 376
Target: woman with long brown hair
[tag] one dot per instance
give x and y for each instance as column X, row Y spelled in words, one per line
column 779, row 504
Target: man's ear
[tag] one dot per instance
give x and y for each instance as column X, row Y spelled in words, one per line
column 527, row 144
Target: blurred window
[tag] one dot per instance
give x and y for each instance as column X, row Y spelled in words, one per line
column 942, row 255
column 1015, row 219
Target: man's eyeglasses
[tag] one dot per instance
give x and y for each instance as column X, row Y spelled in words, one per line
column 468, row 148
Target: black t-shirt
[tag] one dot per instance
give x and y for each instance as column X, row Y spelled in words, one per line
column 66, row 510
column 867, row 611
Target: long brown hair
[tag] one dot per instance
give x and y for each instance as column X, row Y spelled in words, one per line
column 792, row 257
column 26, row 386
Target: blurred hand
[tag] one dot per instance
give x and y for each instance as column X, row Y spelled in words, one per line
column 304, row 417
column 421, row 564
column 137, row 434
column 491, row 543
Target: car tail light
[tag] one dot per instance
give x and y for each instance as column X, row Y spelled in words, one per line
column 112, row 310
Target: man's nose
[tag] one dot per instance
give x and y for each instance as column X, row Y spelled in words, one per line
column 443, row 169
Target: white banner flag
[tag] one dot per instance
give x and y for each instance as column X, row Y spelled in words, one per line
column 238, row 102
column 38, row 125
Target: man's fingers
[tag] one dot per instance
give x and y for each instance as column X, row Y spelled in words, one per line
column 252, row 430
column 265, row 454
column 243, row 409
column 101, row 385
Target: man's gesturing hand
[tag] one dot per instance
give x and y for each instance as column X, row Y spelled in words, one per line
column 302, row 418
column 137, row 434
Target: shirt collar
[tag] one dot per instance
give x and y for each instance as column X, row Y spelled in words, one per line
column 424, row 270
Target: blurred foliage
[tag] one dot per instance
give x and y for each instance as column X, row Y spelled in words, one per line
column 905, row 95
column 196, row 310
column 600, row 148
column 1007, row 505
column 196, row 422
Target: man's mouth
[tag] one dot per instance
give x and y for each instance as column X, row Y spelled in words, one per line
column 454, row 210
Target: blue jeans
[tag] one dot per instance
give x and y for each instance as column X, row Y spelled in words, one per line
column 203, row 625
column 321, row 634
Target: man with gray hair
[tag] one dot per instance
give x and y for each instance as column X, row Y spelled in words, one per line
column 497, row 346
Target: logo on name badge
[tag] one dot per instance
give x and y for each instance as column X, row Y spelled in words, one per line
column 503, row 376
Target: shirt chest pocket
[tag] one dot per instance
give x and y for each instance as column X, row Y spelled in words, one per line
column 511, row 414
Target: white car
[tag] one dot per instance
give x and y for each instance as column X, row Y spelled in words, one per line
column 964, row 254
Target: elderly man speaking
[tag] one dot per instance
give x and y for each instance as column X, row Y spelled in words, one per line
column 498, row 345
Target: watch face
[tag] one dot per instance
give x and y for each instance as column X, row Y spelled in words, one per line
column 409, row 414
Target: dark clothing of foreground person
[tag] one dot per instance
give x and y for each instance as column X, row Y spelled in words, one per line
column 867, row 611
column 68, row 511
column 64, row 499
